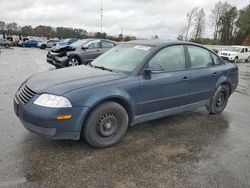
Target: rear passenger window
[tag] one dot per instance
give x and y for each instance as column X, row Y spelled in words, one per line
column 200, row 58
column 107, row 44
column 170, row 58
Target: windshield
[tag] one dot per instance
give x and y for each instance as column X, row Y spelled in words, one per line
column 65, row 40
column 234, row 49
column 123, row 58
column 79, row 43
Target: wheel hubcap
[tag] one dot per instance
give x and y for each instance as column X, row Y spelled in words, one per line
column 107, row 125
column 73, row 62
column 220, row 99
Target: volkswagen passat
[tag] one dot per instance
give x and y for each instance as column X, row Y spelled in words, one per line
column 132, row 83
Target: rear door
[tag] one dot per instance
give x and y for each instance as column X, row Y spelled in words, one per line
column 205, row 68
column 168, row 89
column 92, row 52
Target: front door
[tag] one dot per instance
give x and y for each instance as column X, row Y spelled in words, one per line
column 168, row 89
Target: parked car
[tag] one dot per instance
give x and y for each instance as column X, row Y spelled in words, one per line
column 47, row 44
column 5, row 43
column 235, row 54
column 29, row 43
column 132, row 83
column 66, row 42
column 78, row 53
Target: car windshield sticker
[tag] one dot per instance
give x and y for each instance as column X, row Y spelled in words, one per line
column 140, row 47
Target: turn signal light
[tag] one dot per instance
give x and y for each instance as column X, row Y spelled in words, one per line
column 64, row 117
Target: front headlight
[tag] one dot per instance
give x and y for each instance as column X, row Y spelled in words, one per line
column 52, row 101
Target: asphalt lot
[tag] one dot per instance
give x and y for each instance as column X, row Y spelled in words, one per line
column 192, row 149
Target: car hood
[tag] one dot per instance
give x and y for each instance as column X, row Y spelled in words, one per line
column 227, row 52
column 67, row 79
column 58, row 49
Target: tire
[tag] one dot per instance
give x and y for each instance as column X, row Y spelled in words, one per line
column 43, row 46
column 106, row 125
column 248, row 59
column 6, row 45
column 236, row 60
column 73, row 61
column 219, row 100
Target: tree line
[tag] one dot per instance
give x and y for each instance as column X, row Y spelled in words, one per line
column 228, row 24
column 55, row 32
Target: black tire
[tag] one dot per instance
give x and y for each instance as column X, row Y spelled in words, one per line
column 248, row 59
column 236, row 60
column 106, row 125
column 43, row 46
column 219, row 100
column 6, row 45
column 73, row 61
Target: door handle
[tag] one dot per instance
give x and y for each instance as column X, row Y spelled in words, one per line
column 215, row 73
column 185, row 78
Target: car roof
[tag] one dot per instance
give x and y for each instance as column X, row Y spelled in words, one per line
column 158, row 42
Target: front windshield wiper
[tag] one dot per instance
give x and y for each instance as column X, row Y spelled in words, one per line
column 103, row 68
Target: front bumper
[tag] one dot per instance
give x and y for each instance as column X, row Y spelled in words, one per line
column 42, row 120
column 57, row 61
column 228, row 58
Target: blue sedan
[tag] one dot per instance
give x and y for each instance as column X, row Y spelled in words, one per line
column 132, row 83
column 29, row 43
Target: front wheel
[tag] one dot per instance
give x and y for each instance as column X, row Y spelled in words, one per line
column 73, row 61
column 236, row 60
column 43, row 46
column 248, row 59
column 106, row 125
column 6, row 45
column 219, row 100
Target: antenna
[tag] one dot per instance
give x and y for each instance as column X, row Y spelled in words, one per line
column 101, row 14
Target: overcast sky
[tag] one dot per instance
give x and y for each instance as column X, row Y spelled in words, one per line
column 142, row 18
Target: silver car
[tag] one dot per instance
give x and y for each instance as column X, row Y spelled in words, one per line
column 47, row 44
column 5, row 43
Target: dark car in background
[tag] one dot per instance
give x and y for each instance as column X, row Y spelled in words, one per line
column 66, row 42
column 131, row 83
column 5, row 43
column 81, row 52
column 29, row 43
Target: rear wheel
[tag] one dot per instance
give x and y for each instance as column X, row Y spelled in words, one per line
column 73, row 61
column 219, row 100
column 106, row 125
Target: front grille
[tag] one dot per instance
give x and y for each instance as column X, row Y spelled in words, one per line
column 25, row 94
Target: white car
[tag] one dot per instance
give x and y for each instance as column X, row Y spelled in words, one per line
column 235, row 54
column 47, row 44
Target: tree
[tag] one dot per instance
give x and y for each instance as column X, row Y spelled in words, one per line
column 228, row 25
column 219, row 9
column 243, row 25
column 2, row 25
column 199, row 23
column 11, row 28
column 190, row 17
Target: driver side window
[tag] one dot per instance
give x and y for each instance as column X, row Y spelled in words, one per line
column 170, row 58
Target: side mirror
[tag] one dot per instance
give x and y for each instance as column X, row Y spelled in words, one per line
column 154, row 68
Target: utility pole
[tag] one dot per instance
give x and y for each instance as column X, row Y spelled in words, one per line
column 101, row 14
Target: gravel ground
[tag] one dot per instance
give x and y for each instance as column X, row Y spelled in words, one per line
column 192, row 149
